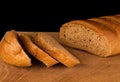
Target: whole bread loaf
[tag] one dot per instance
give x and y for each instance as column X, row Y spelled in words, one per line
column 100, row 35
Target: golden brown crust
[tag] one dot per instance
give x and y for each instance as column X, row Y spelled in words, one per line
column 12, row 52
column 34, row 50
column 106, row 22
column 115, row 18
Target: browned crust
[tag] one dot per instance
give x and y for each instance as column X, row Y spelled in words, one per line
column 34, row 50
column 11, row 51
column 113, row 22
column 106, row 22
column 115, row 18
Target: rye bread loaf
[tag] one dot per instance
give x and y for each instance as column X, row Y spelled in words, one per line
column 12, row 52
column 55, row 49
column 37, row 52
column 99, row 36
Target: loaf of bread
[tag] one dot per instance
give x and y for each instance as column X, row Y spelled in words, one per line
column 55, row 49
column 100, row 35
column 12, row 52
column 30, row 47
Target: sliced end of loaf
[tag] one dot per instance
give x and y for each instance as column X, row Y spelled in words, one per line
column 12, row 52
column 82, row 37
column 55, row 49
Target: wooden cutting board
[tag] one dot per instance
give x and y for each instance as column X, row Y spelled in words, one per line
column 91, row 69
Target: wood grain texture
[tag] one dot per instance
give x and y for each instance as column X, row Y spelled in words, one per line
column 91, row 69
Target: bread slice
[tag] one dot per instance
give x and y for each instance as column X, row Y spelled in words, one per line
column 11, row 51
column 91, row 36
column 55, row 49
column 30, row 47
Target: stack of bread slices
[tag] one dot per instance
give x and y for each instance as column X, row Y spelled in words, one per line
column 14, row 48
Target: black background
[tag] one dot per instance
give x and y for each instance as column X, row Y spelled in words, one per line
column 44, row 16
